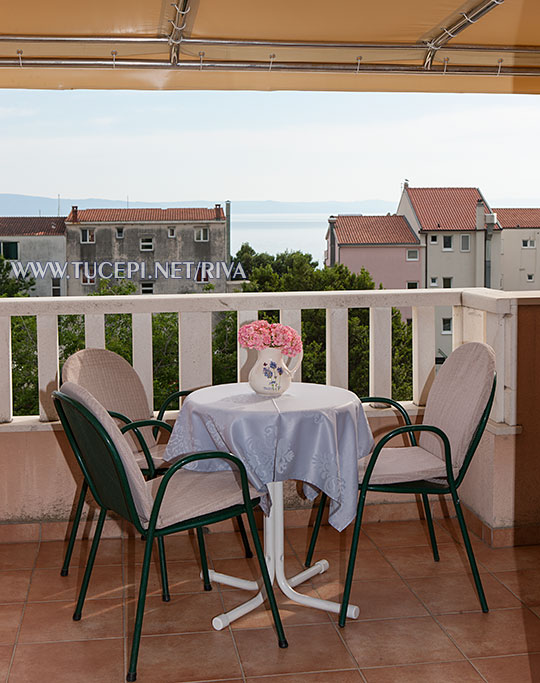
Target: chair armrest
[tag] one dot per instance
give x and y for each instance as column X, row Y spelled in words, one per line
column 404, row 430
column 119, row 416
column 394, row 404
column 170, row 399
column 186, row 460
column 135, row 426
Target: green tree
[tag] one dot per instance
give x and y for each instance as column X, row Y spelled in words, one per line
column 11, row 285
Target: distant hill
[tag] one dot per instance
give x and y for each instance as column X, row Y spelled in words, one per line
column 29, row 205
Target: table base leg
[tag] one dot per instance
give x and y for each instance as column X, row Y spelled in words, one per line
column 274, row 555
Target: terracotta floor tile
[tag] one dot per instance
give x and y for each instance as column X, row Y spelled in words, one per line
column 47, row 584
column 398, row 641
column 370, row 565
column 514, row 669
column 447, row 672
column 51, row 553
column 10, row 619
column 395, row 534
column 389, row 598
column 290, row 612
column 508, row 559
column 53, row 621
column 19, row 533
column 457, row 593
column 98, row 661
column 14, row 585
column 326, row 677
column 500, row 632
column 17, row 555
column 5, row 658
column 417, row 562
column 525, row 583
column 249, row 569
column 181, row 546
column 328, row 539
column 184, row 613
column 311, row 648
column 225, row 545
column 188, row 657
column 183, row 578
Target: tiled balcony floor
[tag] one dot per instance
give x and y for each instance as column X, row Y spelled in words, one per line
column 419, row 621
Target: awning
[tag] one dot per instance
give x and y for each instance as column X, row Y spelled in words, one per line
column 490, row 46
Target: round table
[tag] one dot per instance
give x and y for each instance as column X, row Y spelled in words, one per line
column 314, row 433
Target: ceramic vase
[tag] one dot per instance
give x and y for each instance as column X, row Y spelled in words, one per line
column 270, row 375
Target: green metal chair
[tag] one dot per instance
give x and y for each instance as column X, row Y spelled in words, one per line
column 179, row 500
column 456, row 414
column 118, row 387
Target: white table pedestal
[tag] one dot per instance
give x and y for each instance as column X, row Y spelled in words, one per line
column 274, row 554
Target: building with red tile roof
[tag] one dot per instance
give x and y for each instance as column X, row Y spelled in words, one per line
column 151, row 215
column 12, row 226
column 518, row 218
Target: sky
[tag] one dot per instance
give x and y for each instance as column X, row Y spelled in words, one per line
column 173, row 146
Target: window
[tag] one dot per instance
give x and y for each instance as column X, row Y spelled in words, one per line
column 146, row 244
column 201, row 235
column 447, row 282
column 119, row 233
column 147, row 287
column 433, row 239
column 465, row 243
column 88, row 236
column 530, row 277
column 446, row 326
column 10, row 250
column 55, row 291
column 201, row 274
column 447, row 243
column 170, row 231
column 433, row 282
column 88, row 278
column 412, row 254
column 412, row 285
column 528, row 244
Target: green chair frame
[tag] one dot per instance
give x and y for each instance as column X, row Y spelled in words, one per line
column 106, row 478
column 422, row 487
column 150, row 471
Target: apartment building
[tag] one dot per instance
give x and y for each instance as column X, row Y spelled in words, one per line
column 32, row 240
column 163, row 251
column 520, row 267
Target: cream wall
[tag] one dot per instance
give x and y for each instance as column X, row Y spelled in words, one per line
column 517, row 262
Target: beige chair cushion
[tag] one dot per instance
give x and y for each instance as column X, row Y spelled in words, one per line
column 157, row 452
column 396, row 465
column 137, row 484
column 191, row 494
column 114, row 383
column 457, row 399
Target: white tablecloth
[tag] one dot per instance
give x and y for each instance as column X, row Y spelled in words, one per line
column 313, row 433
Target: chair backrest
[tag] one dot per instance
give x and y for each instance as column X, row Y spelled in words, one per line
column 114, row 383
column 458, row 398
column 104, row 453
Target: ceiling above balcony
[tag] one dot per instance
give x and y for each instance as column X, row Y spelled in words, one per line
column 343, row 45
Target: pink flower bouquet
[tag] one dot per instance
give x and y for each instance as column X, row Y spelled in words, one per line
column 261, row 334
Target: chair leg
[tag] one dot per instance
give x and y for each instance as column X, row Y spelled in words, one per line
column 245, row 539
column 352, row 559
column 315, row 532
column 282, row 640
column 470, row 553
column 204, row 560
column 143, row 587
column 165, row 595
column 74, row 529
column 89, row 564
column 431, row 529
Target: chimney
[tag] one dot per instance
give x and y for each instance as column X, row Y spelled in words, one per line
column 74, row 214
column 480, row 215
column 218, row 211
column 331, row 241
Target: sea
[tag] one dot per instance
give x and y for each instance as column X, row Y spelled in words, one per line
column 276, row 232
